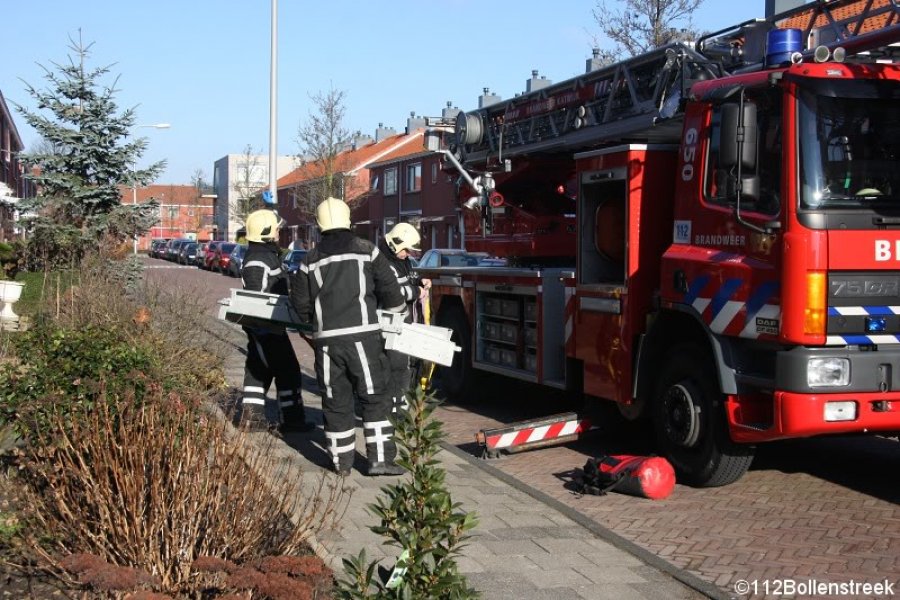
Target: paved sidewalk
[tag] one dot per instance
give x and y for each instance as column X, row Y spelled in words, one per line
column 526, row 545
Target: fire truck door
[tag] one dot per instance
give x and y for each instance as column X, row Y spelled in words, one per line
column 602, row 277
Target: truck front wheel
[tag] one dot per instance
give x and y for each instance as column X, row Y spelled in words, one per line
column 690, row 424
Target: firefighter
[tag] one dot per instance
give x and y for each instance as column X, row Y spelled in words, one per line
column 338, row 288
column 397, row 245
column 269, row 351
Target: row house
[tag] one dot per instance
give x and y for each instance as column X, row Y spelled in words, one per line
column 411, row 188
column 184, row 211
column 300, row 191
column 13, row 184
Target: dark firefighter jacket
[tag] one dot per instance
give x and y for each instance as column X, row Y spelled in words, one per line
column 341, row 283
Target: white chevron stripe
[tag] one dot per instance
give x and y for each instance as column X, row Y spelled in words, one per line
column 836, row 340
column 538, row 434
column 851, row 311
column 726, row 315
column 700, row 304
column 569, row 428
column 856, row 311
column 506, row 439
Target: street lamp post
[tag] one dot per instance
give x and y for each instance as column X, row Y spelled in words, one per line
column 134, row 174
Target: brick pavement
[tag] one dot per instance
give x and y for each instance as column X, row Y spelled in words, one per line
column 522, row 548
column 824, row 508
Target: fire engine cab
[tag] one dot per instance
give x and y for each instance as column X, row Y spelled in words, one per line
column 707, row 235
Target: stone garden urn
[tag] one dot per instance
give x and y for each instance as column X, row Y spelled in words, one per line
column 10, row 292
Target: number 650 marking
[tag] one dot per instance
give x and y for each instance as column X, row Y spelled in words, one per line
column 689, row 154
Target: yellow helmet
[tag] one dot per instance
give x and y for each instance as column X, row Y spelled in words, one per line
column 333, row 214
column 403, row 236
column 262, row 226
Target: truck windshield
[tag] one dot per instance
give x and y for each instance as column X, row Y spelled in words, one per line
column 850, row 145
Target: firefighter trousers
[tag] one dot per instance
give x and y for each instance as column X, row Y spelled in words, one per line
column 271, row 356
column 401, row 380
column 345, row 365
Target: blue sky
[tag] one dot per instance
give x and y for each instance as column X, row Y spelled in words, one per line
column 203, row 65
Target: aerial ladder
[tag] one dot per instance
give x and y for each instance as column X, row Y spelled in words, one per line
column 643, row 97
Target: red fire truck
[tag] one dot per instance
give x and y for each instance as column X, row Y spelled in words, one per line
column 707, row 235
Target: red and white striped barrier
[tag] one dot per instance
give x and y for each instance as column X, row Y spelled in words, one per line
column 535, row 433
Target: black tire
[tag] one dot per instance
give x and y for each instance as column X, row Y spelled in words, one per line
column 690, row 424
column 457, row 381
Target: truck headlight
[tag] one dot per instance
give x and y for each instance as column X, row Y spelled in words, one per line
column 825, row 372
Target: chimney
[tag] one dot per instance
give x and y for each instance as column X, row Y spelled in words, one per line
column 360, row 140
column 450, row 111
column 487, row 98
column 594, row 62
column 536, row 83
column 383, row 132
column 414, row 122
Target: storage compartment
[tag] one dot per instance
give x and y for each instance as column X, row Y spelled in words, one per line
column 530, row 336
column 490, row 330
column 530, row 310
column 509, row 332
column 509, row 308
column 531, row 361
column 492, row 306
column 508, row 358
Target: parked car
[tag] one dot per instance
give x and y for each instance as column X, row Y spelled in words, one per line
column 292, row 260
column 173, row 247
column 200, row 258
column 187, row 253
column 157, row 247
column 210, row 254
column 451, row 257
column 223, row 257
column 236, row 260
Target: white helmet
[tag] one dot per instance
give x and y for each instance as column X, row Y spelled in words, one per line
column 262, row 226
column 333, row 214
column 402, row 236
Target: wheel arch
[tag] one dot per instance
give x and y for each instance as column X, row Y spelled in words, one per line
column 673, row 327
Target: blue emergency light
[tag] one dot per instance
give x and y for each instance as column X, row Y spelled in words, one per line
column 875, row 324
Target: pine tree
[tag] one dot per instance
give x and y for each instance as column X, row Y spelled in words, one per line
column 86, row 158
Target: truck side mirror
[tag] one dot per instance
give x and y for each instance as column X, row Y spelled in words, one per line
column 735, row 130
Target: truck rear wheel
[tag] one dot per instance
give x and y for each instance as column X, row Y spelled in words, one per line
column 458, row 380
column 690, row 424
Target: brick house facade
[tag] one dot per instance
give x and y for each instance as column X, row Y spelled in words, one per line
column 183, row 211
column 411, row 188
column 13, row 185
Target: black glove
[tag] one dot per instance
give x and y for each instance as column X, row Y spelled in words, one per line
column 415, row 279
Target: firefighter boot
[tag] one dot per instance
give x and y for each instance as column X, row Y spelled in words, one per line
column 381, row 449
column 341, row 449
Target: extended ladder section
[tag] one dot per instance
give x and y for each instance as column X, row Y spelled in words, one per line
column 623, row 99
column 640, row 98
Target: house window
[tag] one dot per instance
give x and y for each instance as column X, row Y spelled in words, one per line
column 390, row 181
column 414, row 177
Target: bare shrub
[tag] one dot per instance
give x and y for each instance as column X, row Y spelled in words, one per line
column 160, row 485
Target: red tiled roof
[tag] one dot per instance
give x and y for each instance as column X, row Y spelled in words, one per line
column 351, row 161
